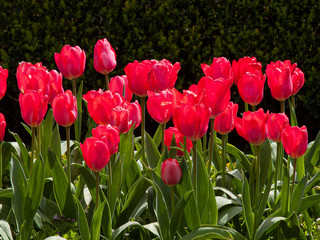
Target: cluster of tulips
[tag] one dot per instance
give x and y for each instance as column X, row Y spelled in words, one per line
column 153, row 82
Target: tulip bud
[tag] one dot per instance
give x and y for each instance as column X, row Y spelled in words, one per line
column 104, row 59
column 55, row 85
column 64, row 108
column 297, row 80
column 3, row 81
column 276, row 123
column 120, row 83
column 294, row 140
column 171, row 172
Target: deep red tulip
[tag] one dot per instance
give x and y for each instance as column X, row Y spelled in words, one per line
column 191, row 120
column 276, row 123
column 163, row 75
column 297, row 80
column 95, row 153
column 55, row 85
column 160, row 105
column 253, row 126
column 245, row 64
column 251, row 86
column 71, row 61
column 117, row 84
column 168, row 134
column 224, row 122
column 33, row 105
column 3, row 81
column 125, row 115
column 2, row 126
column 137, row 74
column 64, row 108
column 280, row 80
column 220, row 68
column 171, row 172
column 216, row 94
column 104, row 59
column 109, row 135
column 294, row 140
column 33, row 77
column 100, row 105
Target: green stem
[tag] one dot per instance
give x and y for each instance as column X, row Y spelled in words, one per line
column 33, row 140
column 143, row 110
column 246, row 107
column 97, row 191
column 172, row 199
column 283, row 106
column 68, row 154
column 277, row 167
column 194, row 166
column 211, row 144
column 253, row 108
column 224, row 139
column 0, row 164
column 257, row 155
column 110, row 179
column 163, row 127
column 107, row 81
column 204, row 146
column 293, row 101
column 294, row 176
column 74, row 87
column 39, row 137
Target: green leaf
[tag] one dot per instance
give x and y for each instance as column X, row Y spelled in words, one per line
column 208, row 233
column 61, row 187
column 308, row 202
column 55, row 144
column 228, row 213
column 310, row 159
column 246, row 205
column 293, row 117
column 265, row 161
column 285, row 192
column 47, row 132
column 153, row 154
column 6, row 193
column 19, row 186
column 264, row 200
column 77, row 123
column 157, row 137
column 96, row 222
column 82, row 221
column 210, row 213
column 5, row 230
column 312, row 182
column 268, row 226
column 298, row 194
column 116, row 182
column 122, row 228
column 7, row 151
column 239, row 155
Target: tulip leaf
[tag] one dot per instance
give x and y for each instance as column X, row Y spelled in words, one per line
column 308, row 202
column 210, row 213
column 298, row 194
column 293, row 117
column 54, row 238
column 116, row 182
column 7, row 151
column 55, row 143
column 268, row 226
column 47, row 125
column 5, row 230
column 312, row 155
column 96, row 221
column 265, row 161
column 126, row 152
column 117, row 233
column 216, row 232
column 246, row 205
column 157, row 137
column 240, row 156
column 82, row 221
column 27, row 128
column 153, row 154
column 77, row 123
column 312, row 182
column 61, row 187
column 228, row 213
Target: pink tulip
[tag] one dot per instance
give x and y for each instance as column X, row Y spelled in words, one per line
column 3, row 81
column 224, row 122
column 109, row 135
column 168, row 134
column 117, row 84
column 276, row 123
column 3, row 124
column 294, row 140
column 160, row 105
column 104, row 59
column 171, row 172
column 297, row 80
column 55, row 85
column 245, row 64
column 64, row 108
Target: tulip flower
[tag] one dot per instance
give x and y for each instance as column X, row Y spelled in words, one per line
column 33, row 77
column 276, row 123
column 34, row 105
column 71, row 61
column 160, row 105
column 224, row 122
column 109, row 135
column 3, row 81
column 297, row 80
column 55, row 85
column 163, row 75
column 3, row 125
column 294, row 140
column 220, row 68
column 137, row 74
column 253, row 126
column 64, row 108
column 245, row 64
column 168, row 134
column 251, row 86
column 171, row 172
column 120, row 83
column 104, row 59
column 280, row 80
column 187, row 97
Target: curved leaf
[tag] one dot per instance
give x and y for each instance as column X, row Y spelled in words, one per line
column 268, row 225
column 82, row 221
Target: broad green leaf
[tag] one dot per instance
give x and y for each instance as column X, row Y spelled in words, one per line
column 210, row 213
column 222, row 202
column 77, row 123
column 61, row 187
column 96, row 222
column 153, row 228
column 19, row 186
column 116, row 183
column 208, row 233
column 228, row 213
column 157, row 137
column 268, row 226
column 308, row 202
column 265, row 161
column 7, row 151
column 6, row 193
column 122, row 228
column 47, row 125
column 55, row 144
column 285, row 192
column 312, row 182
column 106, row 221
column 293, row 117
column 298, row 194
column 82, row 221
column 310, row 158
column 240, row 156
column 246, row 205
column 5, row 230
column 153, row 154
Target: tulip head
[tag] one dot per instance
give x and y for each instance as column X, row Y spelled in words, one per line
column 245, row 64
column 104, row 59
column 55, row 85
column 3, row 81
column 109, row 135
column 119, row 84
column 276, row 123
column 171, row 172
column 160, row 105
column 179, row 139
column 224, row 122
column 3, row 124
column 295, row 140
column 297, row 80
column 64, row 108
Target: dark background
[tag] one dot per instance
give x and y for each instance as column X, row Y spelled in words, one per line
column 188, row 31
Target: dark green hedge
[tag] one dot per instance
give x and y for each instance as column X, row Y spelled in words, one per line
column 188, row 31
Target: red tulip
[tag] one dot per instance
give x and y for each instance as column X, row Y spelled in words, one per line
column 216, row 94
column 279, row 79
column 220, row 68
column 95, row 153
column 297, row 80
column 163, row 75
column 117, row 84
column 168, row 134
column 34, row 105
column 253, row 126
column 160, row 105
column 104, row 59
column 64, row 108
column 2, row 126
column 125, row 115
column 276, row 123
column 251, row 86
column 137, row 74
column 3, row 81
column 191, row 120
column 171, row 172
column 224, row 122
column 294, row 140
column 245, row 64
column 71, row 61
column 109, row 135
column 55, row 85
column 33, row 77
column 187, row 97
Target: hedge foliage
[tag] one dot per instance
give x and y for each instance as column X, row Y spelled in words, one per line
column 189, row 31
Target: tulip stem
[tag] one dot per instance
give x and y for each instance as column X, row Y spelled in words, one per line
column 39, row 137
column 283, row 106
column 277, row 167
column 143, row 110
column 172, row 199
column 68, row 154
column 110, row 178
column 224, row 139
column 97, row 191
column 74, row 87
column 294, row 176
column 211, row 143
column 246, row 107
column 204, row 146
column 33, row 139
column 107, row 81
column 253, row 108
column 194, row 167
column 293, row 101
column 257, row 153
column 163, row 127
column 1, row 165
